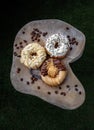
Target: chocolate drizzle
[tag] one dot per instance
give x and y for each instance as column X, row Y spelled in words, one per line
column 57, row 63
column 44, row 69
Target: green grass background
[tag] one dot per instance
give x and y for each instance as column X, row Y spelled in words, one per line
column 25, row 112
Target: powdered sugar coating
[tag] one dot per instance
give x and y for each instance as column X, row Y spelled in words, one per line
column 63, row 45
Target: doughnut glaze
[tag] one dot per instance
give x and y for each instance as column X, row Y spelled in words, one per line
column 33, row 55
column 53, row 72
column 57, row 45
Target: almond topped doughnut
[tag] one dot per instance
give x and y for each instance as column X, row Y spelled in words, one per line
column 33, row 55
column 57, row 45
column 53, row 72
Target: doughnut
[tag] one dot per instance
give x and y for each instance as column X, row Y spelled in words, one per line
column 33, row 55
column 57, row 45
column 53, row 72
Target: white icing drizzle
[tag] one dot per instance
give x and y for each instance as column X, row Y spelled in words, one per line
column 63, row 45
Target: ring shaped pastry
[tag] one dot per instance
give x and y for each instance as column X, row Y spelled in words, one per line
column 33, row 55
column 57, row 45
column 53, row 72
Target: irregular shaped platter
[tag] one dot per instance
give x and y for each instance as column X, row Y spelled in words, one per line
column 70, row 94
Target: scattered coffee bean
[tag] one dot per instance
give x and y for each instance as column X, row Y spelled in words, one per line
column 18, row 70
column 73, row 39
column 76, row 85
column 76, row 89
column 45, row 33
column 49, row 93
column 21, row 79
column 70, row 41
column 76, row 43
column 56, row 92
column 17, row 47
column 68, row 86
column 25, row 41
column 21, row 46
column 80, row 93
column 20, row 43
column 32, row 82
column 68, row 36
column 36, row 29
column 67, row 28
column 18, row 55
column 23, row 32
column 15, row 53
column 38, row 87
column 70, row 48
column 60, row 88
column 27, row 82
column 38, row 40
column 63, row 93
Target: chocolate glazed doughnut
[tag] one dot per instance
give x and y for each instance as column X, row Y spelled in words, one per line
column 53, row 72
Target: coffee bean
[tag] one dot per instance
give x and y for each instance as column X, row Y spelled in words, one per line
column 38, row 87
column 76, row 85
column 21, row 79
column 27, row 82
column 63, row 93
column 56, row 92
column 49, row 93
column 80, row 93
column 76, row 89
column 68, row 86
column 67, row 28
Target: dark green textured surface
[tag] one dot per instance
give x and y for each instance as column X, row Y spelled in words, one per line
column 24, row 112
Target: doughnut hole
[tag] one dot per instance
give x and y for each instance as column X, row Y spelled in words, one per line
column 56, row 45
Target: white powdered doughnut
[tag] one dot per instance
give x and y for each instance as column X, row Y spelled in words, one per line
column 57, row 45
